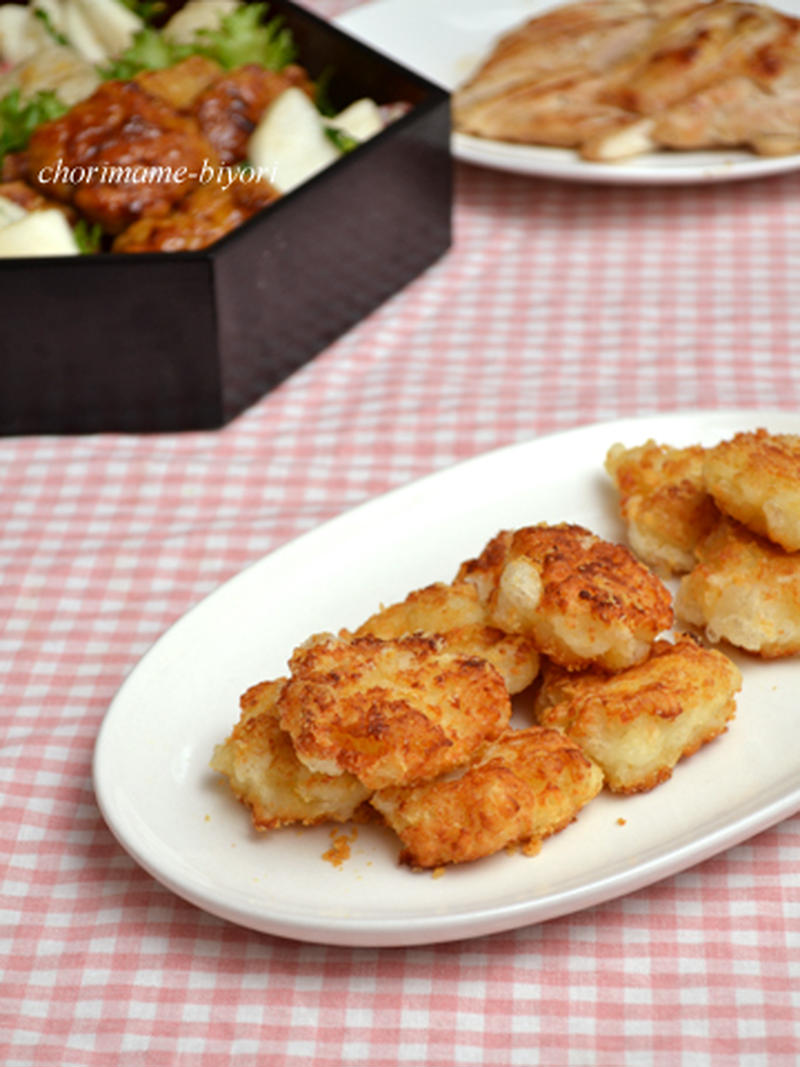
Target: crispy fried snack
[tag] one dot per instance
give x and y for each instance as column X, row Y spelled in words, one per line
column 265, row 774
column 522, row 788
column 664, row 502
column 484, row 571
column 744, row 590
column 637, row 725
column 755, row 478
column 390, row 712
column 584, row 600
column 457, row 614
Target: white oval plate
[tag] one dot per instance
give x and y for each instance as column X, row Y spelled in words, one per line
column 446, row 40
column 179, row 821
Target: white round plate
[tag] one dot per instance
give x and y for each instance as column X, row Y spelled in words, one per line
column 180, row 822
column 446, row 40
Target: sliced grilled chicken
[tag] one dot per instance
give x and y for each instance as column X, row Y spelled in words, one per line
column 614, row 78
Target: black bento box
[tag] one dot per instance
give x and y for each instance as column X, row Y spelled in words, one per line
column 188, row 340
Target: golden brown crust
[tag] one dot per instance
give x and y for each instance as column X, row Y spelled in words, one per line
column 583, row 600
column 755, row 478
column 456, row 614
column 639, row 723
column 264, row 773
column 663, row 501
column 524, row 787
column 483, row 572
column 390, row 712
column 435, row 608
column 744, row 590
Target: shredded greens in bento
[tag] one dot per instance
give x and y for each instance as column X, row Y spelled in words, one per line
column 244, row 36
column 19, row 118
column 211, row 102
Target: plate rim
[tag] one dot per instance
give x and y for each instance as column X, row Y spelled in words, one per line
column 477, row 921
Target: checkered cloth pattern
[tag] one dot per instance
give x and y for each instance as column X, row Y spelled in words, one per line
column 559, row 305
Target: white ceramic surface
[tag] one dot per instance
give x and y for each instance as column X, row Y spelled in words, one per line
column 446, row 40
column 178, row 820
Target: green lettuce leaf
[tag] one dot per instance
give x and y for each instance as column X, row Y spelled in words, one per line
column 19, row 118
column 149, row 50
column 88, row 236
column 244, row 36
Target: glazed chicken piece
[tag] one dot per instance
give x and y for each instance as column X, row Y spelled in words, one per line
column 229, row 109
column 14, row 167
column 119, row 125
column 30, row 199
column 200, row 219
column 181, row 84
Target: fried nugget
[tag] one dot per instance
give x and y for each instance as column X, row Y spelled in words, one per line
column 744, row 590
column 663, row 501
column 585, row 601
column 755, row 478
column 390, row 712
column 265, row 774
column 524, row 787
column 637, row 725
column 457, row 614
column 483, row 572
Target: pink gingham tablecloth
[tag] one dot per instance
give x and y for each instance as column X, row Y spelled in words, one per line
column 559, row 305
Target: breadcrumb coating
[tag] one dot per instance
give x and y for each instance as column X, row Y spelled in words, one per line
column 390, row 712
column 755, row 478
column 744, row 590
column 457, row 615
column 663, row 501
column 264, row 773
column 584, row 600
column 524, row 787
column 483, row 572
column 408, row 717
column 638, row 724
